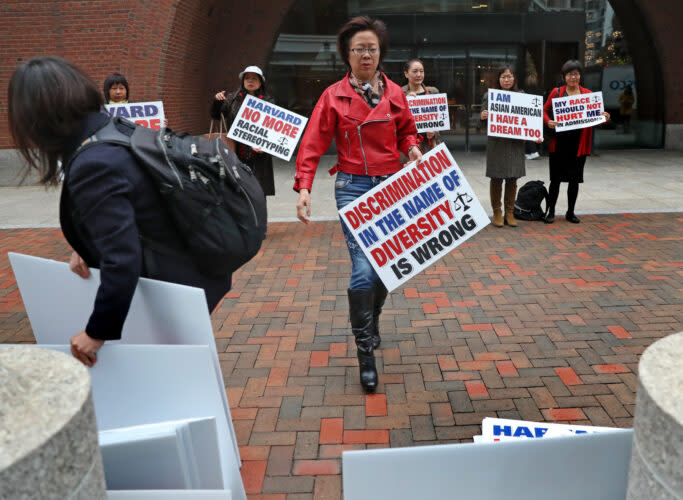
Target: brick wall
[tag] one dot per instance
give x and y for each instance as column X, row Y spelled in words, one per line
column 162, row 46
column 182, row 51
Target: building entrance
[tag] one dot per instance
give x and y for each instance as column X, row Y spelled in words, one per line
column 462, row 45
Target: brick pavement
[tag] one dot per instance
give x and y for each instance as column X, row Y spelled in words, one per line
column 539, row 322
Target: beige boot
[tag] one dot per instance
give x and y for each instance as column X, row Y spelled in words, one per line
column 510, row 195
column 496, row 191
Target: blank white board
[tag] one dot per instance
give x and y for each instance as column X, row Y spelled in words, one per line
column 181, row 454
column 59, row 303
column 147, row 384
column 589, row 467
column 169, row 495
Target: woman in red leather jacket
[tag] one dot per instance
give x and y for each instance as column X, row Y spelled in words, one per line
column 368, row 116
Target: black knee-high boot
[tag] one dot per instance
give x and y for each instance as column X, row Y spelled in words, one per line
column 380, row 296
column 361, row 306
column 553, row 193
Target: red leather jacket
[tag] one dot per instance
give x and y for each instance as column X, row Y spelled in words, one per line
column 368, row 139
column 586, row 133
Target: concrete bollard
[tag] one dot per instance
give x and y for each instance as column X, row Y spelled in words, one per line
column 48, row 434
column 656, row 470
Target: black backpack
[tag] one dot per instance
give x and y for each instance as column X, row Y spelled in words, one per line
column 529, row 199
column 214, row 200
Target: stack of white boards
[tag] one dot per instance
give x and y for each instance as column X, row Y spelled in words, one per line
column 164, row 372
column 590, row 466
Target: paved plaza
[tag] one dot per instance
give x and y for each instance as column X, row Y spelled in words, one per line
column 539, row 322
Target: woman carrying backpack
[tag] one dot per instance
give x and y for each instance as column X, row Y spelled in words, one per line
column 504, row 158
column 227, row 105
column 568, row 150
column 107, row 200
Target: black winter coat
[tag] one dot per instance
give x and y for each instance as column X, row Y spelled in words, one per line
column 260, row 163
column 114, row 201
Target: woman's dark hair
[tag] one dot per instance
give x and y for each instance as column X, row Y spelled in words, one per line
column 570, row 66
column 356, row 25
column 503, row 69
column 115, row 79
column 48, row 99
column 409, row 63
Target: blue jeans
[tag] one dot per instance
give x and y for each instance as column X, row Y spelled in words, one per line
column 348, row 187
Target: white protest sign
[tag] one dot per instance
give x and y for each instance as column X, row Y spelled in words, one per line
column 415, row 217
column 501, row 429
column 147, row 114
column 430, row 112
column 261, row 124
column 59, row 303
column 578, row 111
column 515, row 115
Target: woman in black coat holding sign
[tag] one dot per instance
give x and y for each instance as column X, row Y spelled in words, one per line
column 227, row 105
column 504, row 158
column 568, row 150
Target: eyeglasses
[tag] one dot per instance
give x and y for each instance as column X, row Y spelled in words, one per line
column 365, row 50
column 574, row 74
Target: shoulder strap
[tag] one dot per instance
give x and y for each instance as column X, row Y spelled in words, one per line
column 108, row 134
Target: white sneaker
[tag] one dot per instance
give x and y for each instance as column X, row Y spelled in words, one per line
column 533, row 155
column 529, row 156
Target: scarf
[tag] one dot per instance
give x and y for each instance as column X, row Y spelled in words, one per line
column 370, row 91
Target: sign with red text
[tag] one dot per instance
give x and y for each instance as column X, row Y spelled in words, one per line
column 501, row 429
column 147, row 114
column 515, row 115
column 415, row 217
column 430, row 112
column 578, row 111
column 265, row 126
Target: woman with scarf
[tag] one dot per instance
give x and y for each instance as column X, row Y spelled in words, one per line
column 368, row 116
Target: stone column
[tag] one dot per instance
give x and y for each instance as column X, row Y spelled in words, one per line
column 656, row 470
column 48, row 434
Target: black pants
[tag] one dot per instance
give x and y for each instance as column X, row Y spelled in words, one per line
column 554, row 192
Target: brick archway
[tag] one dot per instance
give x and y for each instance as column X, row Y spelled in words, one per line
column 182, row 51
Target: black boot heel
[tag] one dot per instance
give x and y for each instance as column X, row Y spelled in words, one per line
column 361, row 307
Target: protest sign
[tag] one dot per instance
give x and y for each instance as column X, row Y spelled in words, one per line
column 415, row 217
column 501, row 429
column 578, row 111
column 147, row 114
column 264, row 125
column 430, row 112
column 515, row 115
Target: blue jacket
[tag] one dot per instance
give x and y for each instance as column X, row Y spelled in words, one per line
column 107, row 202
